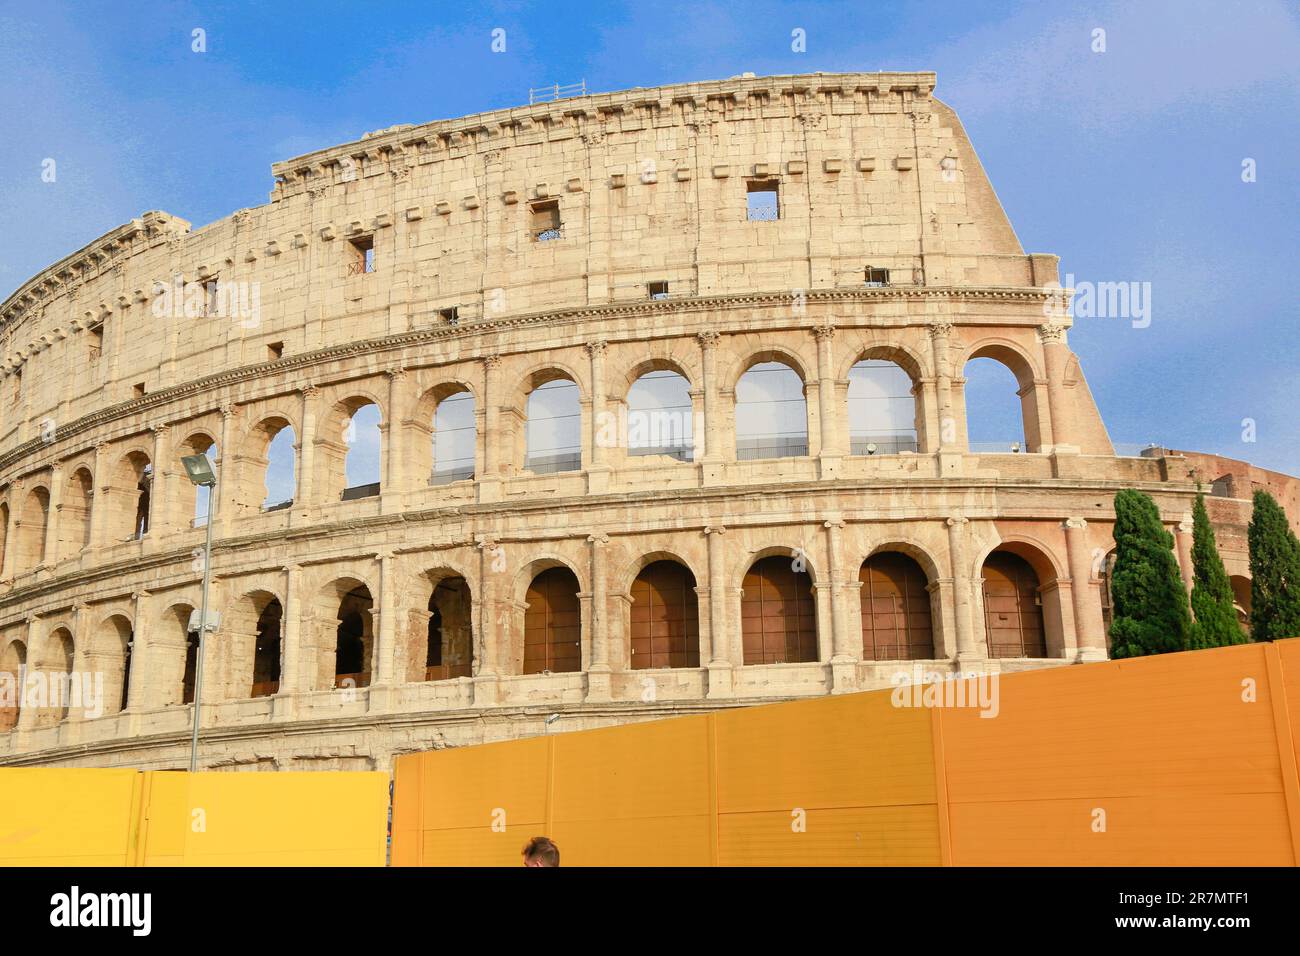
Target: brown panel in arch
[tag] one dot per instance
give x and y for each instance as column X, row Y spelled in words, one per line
column 553, row 624
column 778, row 614
column 1013, row 616
column 665, row 617
column 896, row 623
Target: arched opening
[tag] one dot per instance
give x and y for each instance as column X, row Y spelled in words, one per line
column 778, row 613
column 553, row 623
column 455, row 438
column 57, row 670
column 13, row 670
column 553, row 436
column 449, row 645
column 1107, row 571
column 1241, row 600
column 660, row 416
column 771, row 413
column 896, row 618
column 113, row 646
column 279, row 467
column 266, row 650
column 998, row 396
column 74, row 513
column 362, row 460
column 665, row 622
column 174, row 655
column 1013, row 607
column 883, row 412
column 194, row 498
column 354, row 638
column 4, row 538
column 129, row 495
column 31, row 530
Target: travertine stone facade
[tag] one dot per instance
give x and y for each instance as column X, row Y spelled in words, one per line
column 109, row 380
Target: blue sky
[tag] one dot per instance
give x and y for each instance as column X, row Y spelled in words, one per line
column 1125, row 163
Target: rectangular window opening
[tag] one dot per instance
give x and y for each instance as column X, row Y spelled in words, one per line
column 138, row 390
column 363, row 255
column 95, row 343
column 877, row 278
column 546, row 223
column 763, row 200
column 657, row 290
column 275, row 351
column 450, row 315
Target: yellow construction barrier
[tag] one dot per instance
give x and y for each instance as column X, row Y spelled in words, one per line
column 1182, row 759
column 58, row 817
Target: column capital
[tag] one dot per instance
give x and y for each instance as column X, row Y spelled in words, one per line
column 823, row 333
column 596, row 349
column 139, row 594
column 1075, row 523
column 1052, row 333
column 492, row 361
column 956, row 521
column 160, row 431
column 227, row 411
column 486, row 541
column 396, row 373
column 834, row 523
column 1186, row 525
column 310, row 390
column 708, row 338
column 598, row 538
column 714, row 529
column 939, row 329
column 292, row 568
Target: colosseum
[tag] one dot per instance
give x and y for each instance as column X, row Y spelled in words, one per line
column 596, row 410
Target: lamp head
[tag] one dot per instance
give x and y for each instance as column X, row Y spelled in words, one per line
column 199, row 469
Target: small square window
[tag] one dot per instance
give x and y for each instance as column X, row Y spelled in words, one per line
column 275, row 351
column 657, row 290
column 363, row 255
column 95, row 343
column 764, row 203
column 450, row 315
column 877, row 278
column 138, row 390
column 546, row 223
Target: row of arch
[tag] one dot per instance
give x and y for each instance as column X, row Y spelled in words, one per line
column 778, row 624
column 658, row 418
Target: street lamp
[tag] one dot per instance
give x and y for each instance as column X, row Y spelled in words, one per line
column 199, row 470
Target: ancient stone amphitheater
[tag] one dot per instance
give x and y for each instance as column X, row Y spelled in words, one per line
column 623, row 269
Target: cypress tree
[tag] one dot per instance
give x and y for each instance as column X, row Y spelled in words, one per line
column 1274, row 572
column 1215, row 623
column 1149, row 603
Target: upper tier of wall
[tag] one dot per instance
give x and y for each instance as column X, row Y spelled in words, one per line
column 651, row 187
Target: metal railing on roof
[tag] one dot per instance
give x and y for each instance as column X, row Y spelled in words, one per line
column 546, row 94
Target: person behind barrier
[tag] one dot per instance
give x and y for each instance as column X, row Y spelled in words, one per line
column 540, row 851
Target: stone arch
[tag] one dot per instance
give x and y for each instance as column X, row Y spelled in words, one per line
column 33, row 520
column 663, row 624
column 340, row 443
column 1241, row 600
column 769, row 421
column 778, row 610
column 553, row 621
column 129, row 504
column 111, row 653
column 1026, row 372
column 75, row 512
column 6, row 557
column 915, row 365
column 441, row 441
column 898, row 605
column 191, row 500
column 659, row 413
column 174, row 653
column 252, row 647
column 1020, row 601
column 343, row 619
column 13, row 671
column 883, row 416
column 440, row 641
column 55, row 664
column 266, row 472
column 554, row 441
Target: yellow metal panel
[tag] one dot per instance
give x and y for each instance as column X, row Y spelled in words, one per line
column 408, row 809
column 465, row 786
column 844, row 751
column 842, row 836
column 641, row 841
column 66, row 817
column 481, row 846
column 654, row 769
column 1169, row 724
column 1244, row 829
column 282, row 819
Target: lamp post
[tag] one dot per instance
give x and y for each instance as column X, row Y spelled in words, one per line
column 199, row 470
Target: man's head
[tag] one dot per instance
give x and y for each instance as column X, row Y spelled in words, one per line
column 541, row 852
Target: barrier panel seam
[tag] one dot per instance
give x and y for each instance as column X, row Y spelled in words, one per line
column 1285, row 745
